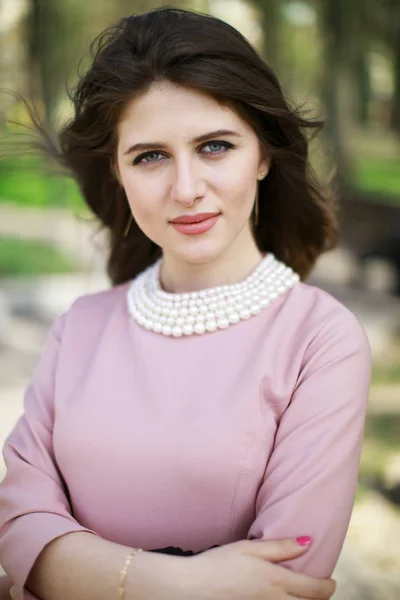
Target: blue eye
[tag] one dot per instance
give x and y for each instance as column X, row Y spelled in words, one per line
column 146, row 158
column 217, row 147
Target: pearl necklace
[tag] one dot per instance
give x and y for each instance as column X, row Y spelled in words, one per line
column 209, row 309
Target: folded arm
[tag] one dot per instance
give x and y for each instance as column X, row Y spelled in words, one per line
column 311, row 478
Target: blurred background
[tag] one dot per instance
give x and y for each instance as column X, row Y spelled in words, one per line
column 339, row 59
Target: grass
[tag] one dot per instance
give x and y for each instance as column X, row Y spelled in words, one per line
column 379, row 174
column 389, row 374
column 27, row 182
column 381, row 440
column 20, row 257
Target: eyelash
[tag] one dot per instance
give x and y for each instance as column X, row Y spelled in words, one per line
column 226, row 145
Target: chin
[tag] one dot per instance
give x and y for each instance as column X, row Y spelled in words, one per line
column 202, row 253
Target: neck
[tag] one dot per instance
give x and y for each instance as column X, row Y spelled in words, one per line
column 179, row 276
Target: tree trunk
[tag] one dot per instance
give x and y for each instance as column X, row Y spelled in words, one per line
column 334, row 84
column 362, row 79
column 47, row 58
column 270, row 11
column 395, row 117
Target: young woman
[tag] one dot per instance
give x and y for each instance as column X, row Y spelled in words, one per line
column 210, row 399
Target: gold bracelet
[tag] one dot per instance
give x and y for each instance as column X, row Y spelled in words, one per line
column 124, row 571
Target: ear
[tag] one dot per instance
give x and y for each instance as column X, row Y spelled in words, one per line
column 263, row 170
column 264, row 166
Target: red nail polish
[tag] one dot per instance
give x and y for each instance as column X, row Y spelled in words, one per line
column 304, row 540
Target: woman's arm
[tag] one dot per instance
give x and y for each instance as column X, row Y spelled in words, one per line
column 81, row 566
column 34, row 508
column 311, row 478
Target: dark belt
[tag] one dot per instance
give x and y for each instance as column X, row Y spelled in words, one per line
column 179, row 551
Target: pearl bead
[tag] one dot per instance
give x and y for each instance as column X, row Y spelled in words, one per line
column 255, row 309
column 234, row 317
column 223, row 323
column 199, row 328
column 211, row 325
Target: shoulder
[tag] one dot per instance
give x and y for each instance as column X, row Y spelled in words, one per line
column 330, row 329
column 318, row 309
column 100, row 302
column 94, row 310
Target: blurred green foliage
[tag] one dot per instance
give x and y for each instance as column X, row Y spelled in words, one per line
column 381, row 439
column 378, row 174
column 28, row 182
column 22, row 257
column 386, row 374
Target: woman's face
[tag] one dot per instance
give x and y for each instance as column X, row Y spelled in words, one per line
column 181, row 153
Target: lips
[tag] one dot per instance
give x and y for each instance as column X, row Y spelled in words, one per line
column 187, row 219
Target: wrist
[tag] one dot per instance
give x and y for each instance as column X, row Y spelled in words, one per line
column 156, row 576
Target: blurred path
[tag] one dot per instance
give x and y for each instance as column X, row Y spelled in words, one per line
column 74, row 233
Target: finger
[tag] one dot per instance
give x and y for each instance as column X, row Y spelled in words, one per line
column 278, row 550
column 304, row 586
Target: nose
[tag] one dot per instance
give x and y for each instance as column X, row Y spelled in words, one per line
column 187, row 184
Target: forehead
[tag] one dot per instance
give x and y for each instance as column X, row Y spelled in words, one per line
column 166, row 106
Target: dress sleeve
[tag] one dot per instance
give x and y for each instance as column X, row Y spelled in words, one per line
column 34, row 507
column 311, row 477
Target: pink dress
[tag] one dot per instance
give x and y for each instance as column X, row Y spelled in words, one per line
column 251, row 432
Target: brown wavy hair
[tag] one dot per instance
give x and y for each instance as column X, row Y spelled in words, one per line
column 297, row 220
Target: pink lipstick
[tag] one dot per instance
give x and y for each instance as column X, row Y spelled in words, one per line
column 195, row 224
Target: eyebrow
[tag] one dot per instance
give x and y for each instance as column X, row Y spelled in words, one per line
column 201, row 138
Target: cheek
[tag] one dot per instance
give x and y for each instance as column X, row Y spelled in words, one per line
column 144, row 207
column 143, row 194
column 240, row 186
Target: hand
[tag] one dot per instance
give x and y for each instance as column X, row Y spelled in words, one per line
column 16, row 593
column 245, row 570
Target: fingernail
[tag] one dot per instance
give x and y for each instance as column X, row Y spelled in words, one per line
column 304, row 540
